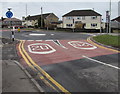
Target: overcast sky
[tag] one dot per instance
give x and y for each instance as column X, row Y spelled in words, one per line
column 58, row 8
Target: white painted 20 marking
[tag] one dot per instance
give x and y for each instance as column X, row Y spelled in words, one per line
column 40, row 48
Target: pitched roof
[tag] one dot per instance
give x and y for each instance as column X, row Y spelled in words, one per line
column 116, row 19
column 38, row 16
column 12, row 19
column 82, row 13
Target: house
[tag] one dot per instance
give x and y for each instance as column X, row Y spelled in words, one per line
column 59, row 24
column 35, row 20
column 8, row 22
column 115, row 23
column 88, row 19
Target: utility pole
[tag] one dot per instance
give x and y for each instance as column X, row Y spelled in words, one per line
column 41, row 18
column 100, row 25
column 107, row 21
column 26, row 16
column 110, row 17
column 73, row 24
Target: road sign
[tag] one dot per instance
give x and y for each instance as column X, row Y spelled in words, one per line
column 82, row 45
column 40, row 48
column 9, row 14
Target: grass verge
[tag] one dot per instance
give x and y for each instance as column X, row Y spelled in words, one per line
column 108, row 40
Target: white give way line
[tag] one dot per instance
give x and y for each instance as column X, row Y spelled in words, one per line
column 101, row 62
column 37, row 34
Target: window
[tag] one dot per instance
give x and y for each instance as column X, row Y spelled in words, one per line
column 69, row 18
column 69, row 25
column 94, row 25
column 94, row 17
column 78, row 18
column 83, row 18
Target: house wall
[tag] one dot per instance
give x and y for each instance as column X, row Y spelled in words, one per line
column 13, row 23
column 88, row 21
column 50, row 18
column 47, row 20
column 31, row 22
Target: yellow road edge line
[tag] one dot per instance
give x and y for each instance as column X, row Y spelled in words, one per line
column 26, row 60
column 88, row 39
column 45, row 81
column 45, row 73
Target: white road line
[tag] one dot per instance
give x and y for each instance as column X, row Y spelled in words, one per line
column 30, row 40
column 39, row 40
column 48, row 40
column 101, row 62
column 60, row 44
column 52, row 34
column 35, row 34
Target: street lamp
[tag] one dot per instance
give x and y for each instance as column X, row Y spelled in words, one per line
column 109, row 18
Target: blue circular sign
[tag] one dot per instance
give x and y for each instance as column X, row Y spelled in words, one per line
column 9, row 14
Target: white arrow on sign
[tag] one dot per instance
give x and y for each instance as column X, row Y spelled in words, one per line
column 82, row 45
column 40, row 48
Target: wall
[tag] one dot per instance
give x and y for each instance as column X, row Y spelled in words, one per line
column 87, row 21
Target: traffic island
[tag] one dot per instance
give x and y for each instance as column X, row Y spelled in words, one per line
column 106, row 40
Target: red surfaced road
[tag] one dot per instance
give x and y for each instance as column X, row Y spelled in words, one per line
column 47, row 52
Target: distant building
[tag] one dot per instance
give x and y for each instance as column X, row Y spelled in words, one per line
column 88, row 19
column 47, row 19
column 60, row 24
column 7, row 22
column 115, row 23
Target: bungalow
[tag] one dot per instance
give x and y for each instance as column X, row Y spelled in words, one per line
column 88, row 19
column 35, row 20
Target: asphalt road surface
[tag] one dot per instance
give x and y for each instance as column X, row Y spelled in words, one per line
column 67, row 62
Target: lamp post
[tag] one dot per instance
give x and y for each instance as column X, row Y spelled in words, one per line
column 110, row 18
column 73, row 24
column 41, row 18
column 26, row 16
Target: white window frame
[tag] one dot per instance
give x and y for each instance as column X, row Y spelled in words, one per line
column 69, row 25
column 93, row 17
column 69, row 18
column 94, row 24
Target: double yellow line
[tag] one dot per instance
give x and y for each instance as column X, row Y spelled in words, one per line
column 42, row 74
column 88, row 39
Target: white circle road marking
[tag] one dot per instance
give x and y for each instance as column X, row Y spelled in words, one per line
column 82, row 45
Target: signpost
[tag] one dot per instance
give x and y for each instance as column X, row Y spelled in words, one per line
column 9, row 14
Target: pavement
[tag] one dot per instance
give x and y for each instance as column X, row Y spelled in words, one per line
column 14, row 77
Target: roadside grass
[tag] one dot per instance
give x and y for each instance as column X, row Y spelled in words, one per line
column 108, row 40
